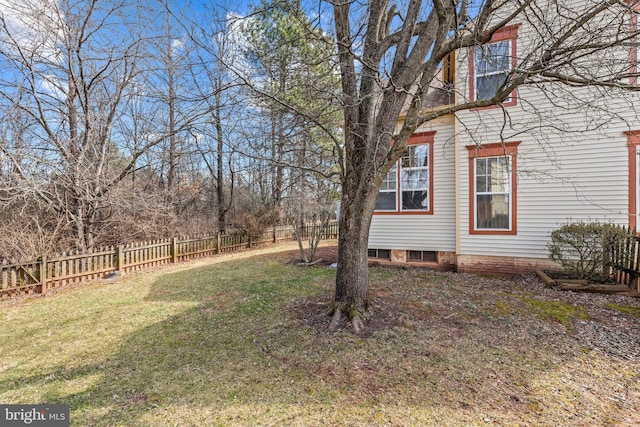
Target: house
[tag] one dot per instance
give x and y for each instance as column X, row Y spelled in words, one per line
column 481, row 190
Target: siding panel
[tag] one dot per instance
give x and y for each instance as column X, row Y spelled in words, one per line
column 572, row 159
column 434, row 232
column 572, row 165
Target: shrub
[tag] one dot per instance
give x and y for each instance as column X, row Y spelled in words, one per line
column 255, row 223
column 583, row 248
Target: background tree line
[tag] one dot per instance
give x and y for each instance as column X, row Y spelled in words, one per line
column 124, row 121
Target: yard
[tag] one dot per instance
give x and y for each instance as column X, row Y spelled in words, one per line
column 241, row 340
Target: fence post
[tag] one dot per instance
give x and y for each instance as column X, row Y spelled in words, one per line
column 218, row 243
column 43, row 274
column 174, row 250
column 120, row 258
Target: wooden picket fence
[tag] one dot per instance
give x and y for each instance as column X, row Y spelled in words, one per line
column 38, row 276
column 625, row 259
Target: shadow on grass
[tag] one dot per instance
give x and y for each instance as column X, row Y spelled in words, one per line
column 190, row 368
column 235, row 354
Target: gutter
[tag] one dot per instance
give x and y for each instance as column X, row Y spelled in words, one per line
column 456, row 165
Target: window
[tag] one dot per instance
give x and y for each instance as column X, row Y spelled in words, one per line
column 492, row 193
column 407, row 186
column 492, row 188
column 379, row 253
column 414, row 178
column 387, row 197
column 424, row 256
column 633, row 143
column 491, row 63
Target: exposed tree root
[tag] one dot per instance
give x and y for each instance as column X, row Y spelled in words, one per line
column 356, row 316
column 335, row 319
column 310, row 263
column 357, row 324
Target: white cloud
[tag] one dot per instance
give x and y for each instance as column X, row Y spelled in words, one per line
column 177, row 44
column 34, row 26
column 51, row 85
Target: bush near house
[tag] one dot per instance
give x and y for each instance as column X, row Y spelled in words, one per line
column 584, row 249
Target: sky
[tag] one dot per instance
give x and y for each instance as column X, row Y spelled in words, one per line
column 315, row 8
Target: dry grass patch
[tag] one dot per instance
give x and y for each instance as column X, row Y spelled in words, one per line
column 244, row 342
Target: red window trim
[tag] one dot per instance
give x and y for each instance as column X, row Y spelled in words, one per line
column 493, row 150
column 633, row 140
column 509, row 32
column 633, row 50
column 427, row 138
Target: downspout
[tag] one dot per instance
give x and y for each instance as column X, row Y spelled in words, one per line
column 456, row 160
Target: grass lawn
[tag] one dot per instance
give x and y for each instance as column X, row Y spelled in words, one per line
column 234, row 341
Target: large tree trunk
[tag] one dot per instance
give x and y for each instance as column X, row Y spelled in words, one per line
column 352, row 293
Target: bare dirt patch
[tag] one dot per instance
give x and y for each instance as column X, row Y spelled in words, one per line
column 384, row 314
column 418, row 297
column 325, row 256
column 493, row 350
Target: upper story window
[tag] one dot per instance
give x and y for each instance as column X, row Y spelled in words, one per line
column 407, row 188
column 491, row 63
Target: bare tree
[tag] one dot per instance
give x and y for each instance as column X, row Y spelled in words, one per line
column 77, row 121
column 310, row 207
column 70, row 72
column 215, row 51
column 391, row 55
column 179, row 103
column 73, row 74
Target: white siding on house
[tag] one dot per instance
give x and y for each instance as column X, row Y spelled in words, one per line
column 572, row 159
column 592, row 187
column 434, row 232
column 572, row 165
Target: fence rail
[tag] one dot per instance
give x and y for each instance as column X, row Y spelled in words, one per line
column 625, row 259
column 38, row 276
